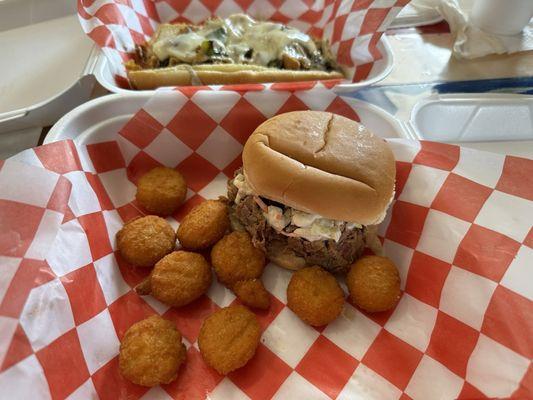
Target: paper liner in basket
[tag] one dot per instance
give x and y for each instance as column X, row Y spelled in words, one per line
column 459, row 231
column 353, row 27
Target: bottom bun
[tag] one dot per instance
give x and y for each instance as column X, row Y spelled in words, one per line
column 234, row 222
column 276, row 253
column 286, row 258
column 372, row 240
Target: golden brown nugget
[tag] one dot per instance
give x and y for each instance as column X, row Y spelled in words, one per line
column 151, row 352
column 315, row 296
column 146, row 240
column 374, row 283
column 161, row 191
column 228, row 338
column 204, row 225
column 235, row 258
column 178, row 279
column 252, row 293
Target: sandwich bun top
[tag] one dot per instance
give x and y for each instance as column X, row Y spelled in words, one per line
column 321, row 163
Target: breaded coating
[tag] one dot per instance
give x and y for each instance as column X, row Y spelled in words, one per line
column 235, row 258
column 151, row 352
column 204, row 225
column 178, row 279
column 161, row 191
column 228, row 338
column 252, row 293
column 146, row 240
column 315, row 296
column 374, row 283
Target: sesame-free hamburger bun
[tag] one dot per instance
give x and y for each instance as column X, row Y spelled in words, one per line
column 321, row 163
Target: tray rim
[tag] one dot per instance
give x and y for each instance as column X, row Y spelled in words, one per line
column 137, row 99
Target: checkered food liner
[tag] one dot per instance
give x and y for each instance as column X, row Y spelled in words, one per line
column 459, row 231
column 353, row 27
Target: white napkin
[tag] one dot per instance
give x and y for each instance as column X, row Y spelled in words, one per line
column 472, row 42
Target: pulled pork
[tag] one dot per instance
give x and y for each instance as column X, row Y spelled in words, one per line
column 332, row 255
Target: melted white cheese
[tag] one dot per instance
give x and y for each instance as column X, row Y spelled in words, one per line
column 268, row 40
column 183, row 47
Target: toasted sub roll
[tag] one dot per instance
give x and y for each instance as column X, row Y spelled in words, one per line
column 220, row 74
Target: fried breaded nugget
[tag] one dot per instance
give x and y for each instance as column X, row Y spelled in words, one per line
column 161, row 191
column 315, row 296
column 204, row 225
column 228, row 338
column 151, row 352
column 252, row 293
column 374, row 283
column 144, row 241
column 235, row 258
column 178, row 278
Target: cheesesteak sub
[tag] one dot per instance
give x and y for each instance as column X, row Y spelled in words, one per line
column 236, row 49
column 312, row 188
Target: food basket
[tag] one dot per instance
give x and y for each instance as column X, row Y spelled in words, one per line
column 354, row 29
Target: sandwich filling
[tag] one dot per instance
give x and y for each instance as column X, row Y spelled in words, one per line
column 291, row 222
column 321, row 241
column 237, row 39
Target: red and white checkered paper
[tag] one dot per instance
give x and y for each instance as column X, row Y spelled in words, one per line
column 353, row 27
column 459, row 231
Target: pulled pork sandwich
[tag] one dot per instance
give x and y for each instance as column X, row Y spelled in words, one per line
column 312, row 188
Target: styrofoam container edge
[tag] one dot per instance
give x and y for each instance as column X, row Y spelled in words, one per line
column 110, row 112
column 47, row 112
column 30, row 101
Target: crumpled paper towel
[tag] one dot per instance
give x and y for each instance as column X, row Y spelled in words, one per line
column 472, row 42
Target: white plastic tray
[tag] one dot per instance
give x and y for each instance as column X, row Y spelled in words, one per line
column 381, row 69
column 439, row 118
column 100, row 119
column 473, row 118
